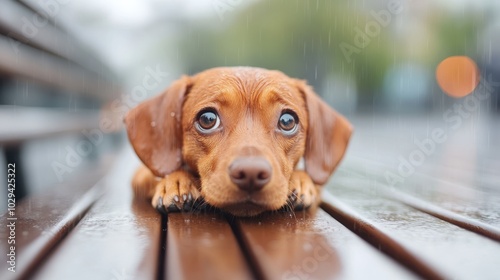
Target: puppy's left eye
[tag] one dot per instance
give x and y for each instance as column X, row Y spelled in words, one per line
column 288, row 123
column 207, row 121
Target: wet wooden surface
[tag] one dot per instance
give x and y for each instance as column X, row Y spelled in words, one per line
column 118, row 238
column 42, row 220
column 445, row 210
column 203, row 246
column 442, row 222
column 313, row 245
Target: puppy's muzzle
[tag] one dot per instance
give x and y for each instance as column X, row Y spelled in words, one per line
column 250, row 174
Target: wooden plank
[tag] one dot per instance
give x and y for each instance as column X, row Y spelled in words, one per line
column 464, row 192
column 312, row 245
column 18, row 124
column 453, row 252
column 30, row 63
column 24, row 23
column 202, row 246
column 44, row 219
column 455, row 184
column 468, row 201
column 446, row 215
column 378, row 238
column 119, row 238
column 459, row 175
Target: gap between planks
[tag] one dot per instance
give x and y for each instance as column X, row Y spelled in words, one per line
column 377, row 238
column 445, row 215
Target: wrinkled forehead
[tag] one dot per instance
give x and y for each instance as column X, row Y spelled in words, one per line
column 246, row 87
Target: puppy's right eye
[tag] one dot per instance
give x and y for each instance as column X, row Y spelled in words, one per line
column 207, row 121
column 288, row 123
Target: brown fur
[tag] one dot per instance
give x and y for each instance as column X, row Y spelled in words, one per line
column 249, row 102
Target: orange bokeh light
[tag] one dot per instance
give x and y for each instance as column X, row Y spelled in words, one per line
column 457, row 76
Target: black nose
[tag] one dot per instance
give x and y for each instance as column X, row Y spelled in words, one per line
column 250, row 173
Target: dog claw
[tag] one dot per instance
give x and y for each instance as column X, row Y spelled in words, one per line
column 173, row 208
column 175, row 192
column 187, row 207
column 160, row 207
column 294, row 195
column 299, row 207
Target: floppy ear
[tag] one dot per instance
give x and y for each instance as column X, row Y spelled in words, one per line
column 327, row 136
column 154, row 129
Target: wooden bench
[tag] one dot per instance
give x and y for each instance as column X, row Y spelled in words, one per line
column 441, row 221
column 50, row 84
column 431, row 227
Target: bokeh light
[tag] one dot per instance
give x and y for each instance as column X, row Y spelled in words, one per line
column 457, row 76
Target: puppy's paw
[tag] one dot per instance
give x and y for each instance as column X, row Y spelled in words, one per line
column 176, row 192
column 302, row 191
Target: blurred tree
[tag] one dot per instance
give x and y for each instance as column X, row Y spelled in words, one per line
column 316, row 39
column 458, row 34
column 301, row 38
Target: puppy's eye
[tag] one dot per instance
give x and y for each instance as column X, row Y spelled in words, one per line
column 207, row 121
column 288, row 123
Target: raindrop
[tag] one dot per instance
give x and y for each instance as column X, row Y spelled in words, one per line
column 172, row 114
column 153, row 123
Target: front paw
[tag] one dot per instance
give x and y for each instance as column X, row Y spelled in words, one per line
column 176, row 192
column 302, row 193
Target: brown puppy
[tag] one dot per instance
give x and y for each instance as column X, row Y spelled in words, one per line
column 234, row 136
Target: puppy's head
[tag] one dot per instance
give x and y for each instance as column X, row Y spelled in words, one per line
column 242, row 131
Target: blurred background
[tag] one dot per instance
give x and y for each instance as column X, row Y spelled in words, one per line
column 69, row 70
